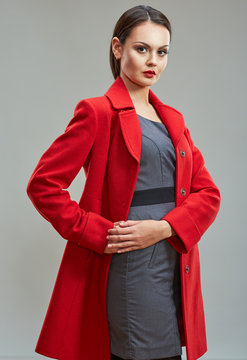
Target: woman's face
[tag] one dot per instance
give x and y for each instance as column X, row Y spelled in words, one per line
column 145, row 49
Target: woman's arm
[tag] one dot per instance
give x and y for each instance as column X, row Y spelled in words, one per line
column 55, row 171
column 165, row 229
column 199, row 209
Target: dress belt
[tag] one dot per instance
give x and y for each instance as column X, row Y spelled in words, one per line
column 157, row 195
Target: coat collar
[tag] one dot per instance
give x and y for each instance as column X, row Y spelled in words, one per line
column 120, row 99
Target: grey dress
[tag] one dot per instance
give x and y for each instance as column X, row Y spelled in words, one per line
column 143, row 288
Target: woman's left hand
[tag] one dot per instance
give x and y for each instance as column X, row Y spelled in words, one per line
column 135, row 234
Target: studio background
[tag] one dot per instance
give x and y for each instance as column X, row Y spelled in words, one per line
column 55, row 53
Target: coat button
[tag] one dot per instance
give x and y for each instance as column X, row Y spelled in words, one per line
column 187, row 269
column 182, row 153
column 183, row 191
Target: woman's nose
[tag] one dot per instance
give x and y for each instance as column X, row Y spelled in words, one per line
column 152, row 58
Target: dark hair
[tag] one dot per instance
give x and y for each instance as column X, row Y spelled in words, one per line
column 127, row 21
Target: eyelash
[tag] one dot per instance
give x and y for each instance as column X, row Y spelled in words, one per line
column 143, row 47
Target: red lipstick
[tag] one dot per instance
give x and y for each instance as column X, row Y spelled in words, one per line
column 149, row 73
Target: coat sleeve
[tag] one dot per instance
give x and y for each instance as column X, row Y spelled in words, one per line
column 198, row 210
column 55, row 171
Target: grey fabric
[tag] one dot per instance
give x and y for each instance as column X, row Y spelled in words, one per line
column 177, row 357
column 143, row 289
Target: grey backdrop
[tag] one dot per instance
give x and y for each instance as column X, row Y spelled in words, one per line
column 55, row 53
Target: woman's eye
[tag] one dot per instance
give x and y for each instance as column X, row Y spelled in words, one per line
column 165, row 52
column 142, row 47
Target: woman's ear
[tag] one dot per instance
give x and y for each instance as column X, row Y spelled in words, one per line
column 116, row 47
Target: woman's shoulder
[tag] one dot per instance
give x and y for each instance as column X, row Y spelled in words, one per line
column 173, row 109
column 97, row 104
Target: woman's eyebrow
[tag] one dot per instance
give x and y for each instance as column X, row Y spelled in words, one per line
column 142, row 42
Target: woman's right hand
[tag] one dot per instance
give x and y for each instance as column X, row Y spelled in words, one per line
column 108, row 249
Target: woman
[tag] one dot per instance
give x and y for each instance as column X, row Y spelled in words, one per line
column 128, row 286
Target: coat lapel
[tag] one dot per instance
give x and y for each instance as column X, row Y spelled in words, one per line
column 120, row 99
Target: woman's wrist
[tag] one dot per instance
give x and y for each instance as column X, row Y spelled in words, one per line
column 166, row 229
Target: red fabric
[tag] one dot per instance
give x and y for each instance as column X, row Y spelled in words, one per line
column 104, row 137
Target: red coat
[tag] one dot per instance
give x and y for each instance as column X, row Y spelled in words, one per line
column 104, row 137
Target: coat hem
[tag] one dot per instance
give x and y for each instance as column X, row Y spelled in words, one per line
column 48, row 354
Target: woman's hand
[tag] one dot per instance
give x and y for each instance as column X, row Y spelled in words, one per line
column 136, row 234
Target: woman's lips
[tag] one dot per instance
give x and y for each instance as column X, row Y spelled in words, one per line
column 149, row 74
